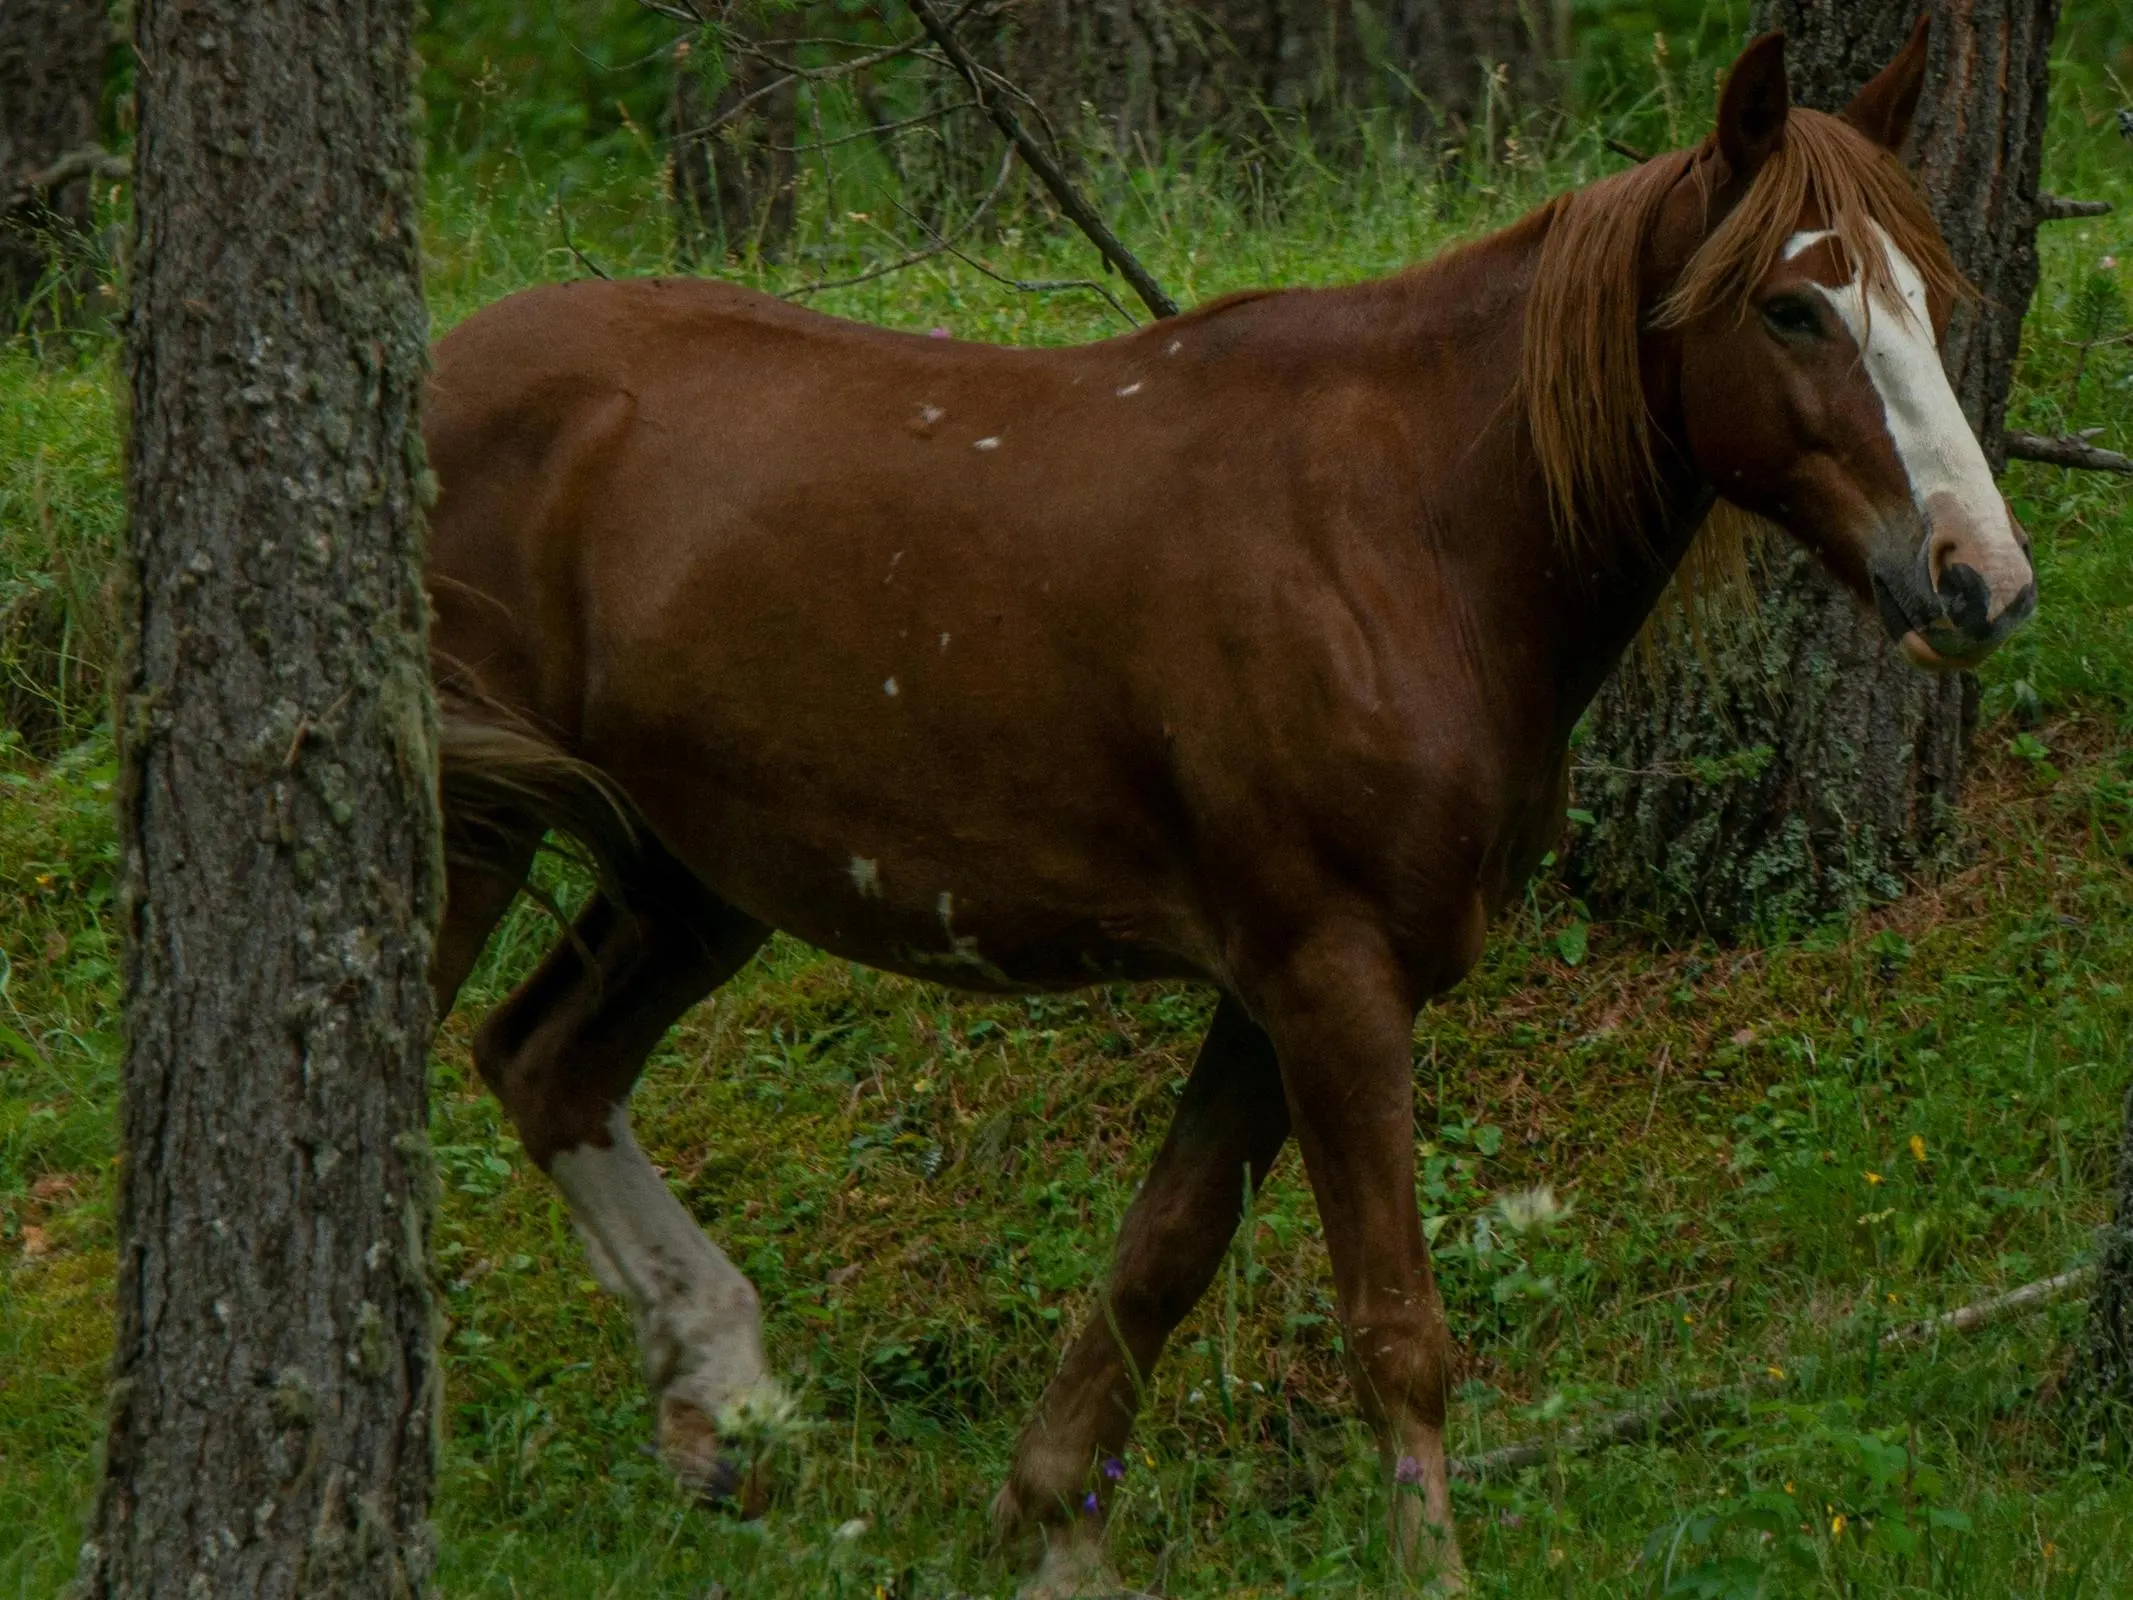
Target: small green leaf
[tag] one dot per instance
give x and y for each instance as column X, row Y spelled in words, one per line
column 1572, row 943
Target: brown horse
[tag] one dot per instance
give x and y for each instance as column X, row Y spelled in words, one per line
column 1243, row 649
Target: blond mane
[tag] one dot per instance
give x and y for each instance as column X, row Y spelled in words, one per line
column 1581, row 383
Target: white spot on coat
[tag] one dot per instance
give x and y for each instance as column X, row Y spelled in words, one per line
column 889, row 688
column 866, row 877
column 992, row 443
column 930, row 414
column 1132, row 388
column 944, row 643
column 1174, row 347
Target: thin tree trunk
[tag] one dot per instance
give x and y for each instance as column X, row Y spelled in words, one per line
column 2104, row 1375
column 51, row 80
column 1803, row 767
column 734, row 182
column 274, row 1400
column 1176, row 69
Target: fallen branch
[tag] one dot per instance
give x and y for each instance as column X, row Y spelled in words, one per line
column 2067, row 450
column 1071, row 201
column 91, row 161
column 1685, row 1410
column 1976, row 1315
column 1628, row 152
column 2055, row 208
column 1624, row 1427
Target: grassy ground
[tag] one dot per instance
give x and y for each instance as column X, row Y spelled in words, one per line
column 1773, row 1152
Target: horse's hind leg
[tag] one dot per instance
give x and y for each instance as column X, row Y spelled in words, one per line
column 475, row 900
column 563, row 1053
column 1229, row 1126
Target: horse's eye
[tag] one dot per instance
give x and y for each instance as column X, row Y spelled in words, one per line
column 1793, row 316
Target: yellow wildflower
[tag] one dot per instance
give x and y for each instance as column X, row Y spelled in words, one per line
column 1918, row 1147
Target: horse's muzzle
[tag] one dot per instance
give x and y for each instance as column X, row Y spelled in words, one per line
column 1954, row 602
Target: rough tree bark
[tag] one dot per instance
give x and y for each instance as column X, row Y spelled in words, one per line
column 1803, row 767
column 1156, row 69
column 2104, row 1375
column 274, row 1397
column 51, row 80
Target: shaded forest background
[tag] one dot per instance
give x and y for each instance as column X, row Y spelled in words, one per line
column 1777, row 1152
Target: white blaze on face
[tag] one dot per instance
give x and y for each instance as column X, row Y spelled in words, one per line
column 1950, row 479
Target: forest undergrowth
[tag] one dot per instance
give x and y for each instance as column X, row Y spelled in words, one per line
column 1763, row 1156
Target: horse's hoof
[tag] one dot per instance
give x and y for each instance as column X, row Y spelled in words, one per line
column 718, row 1477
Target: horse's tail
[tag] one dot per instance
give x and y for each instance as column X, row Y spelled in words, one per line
column 501, row 779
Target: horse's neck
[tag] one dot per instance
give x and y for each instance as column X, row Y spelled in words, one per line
column 1575, row 604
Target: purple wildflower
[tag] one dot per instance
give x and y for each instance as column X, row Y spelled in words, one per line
column 1114, row 1469
column 937, row 333
column 1409, row 1472
column 1089, row 1504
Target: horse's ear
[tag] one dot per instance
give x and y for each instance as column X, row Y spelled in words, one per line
column 1883, row 109
column 1752, row 111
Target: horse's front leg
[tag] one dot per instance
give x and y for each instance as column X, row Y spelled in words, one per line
column 1341, row 1013
column 1230, row 1124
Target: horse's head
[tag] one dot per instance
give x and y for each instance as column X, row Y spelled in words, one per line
column 1812, row 392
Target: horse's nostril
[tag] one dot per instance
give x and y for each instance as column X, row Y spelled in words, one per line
column 1967, row 597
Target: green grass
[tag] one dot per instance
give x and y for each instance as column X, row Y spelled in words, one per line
column 925, row 1188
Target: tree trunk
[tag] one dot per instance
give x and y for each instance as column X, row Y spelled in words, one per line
column 274, row 1401
column 2104, row 1376
column 51, row 81
column 1175, row 69
column 733, row 182
column 1803, row 767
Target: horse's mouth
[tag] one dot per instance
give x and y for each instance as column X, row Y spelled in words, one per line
column 1931, row 638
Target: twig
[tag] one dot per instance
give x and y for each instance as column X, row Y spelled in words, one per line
column 1628, row 152
column 1624, row 1427
column 1683, row 1410
column 787, row 73
column 2067, row 450
column 90, row 161
column 2055, row 208
column 1071, row 201
column 1007, row 161
column 1977, row 1314
column 1026, row 285
column 875, row 130
column 571, row 244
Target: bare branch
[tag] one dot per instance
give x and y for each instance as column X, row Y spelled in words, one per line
column 1084, row 216
column 1027, row 285
column 1007, row 161
column 2067, row 450
column 1624, row 1427
column 789, row 72
column 570, row 244
column 2053, row 208
column 1628, row 152
column 90, row 161
column 876, row 130
column 1685, row 1410
column 1977, row 1314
